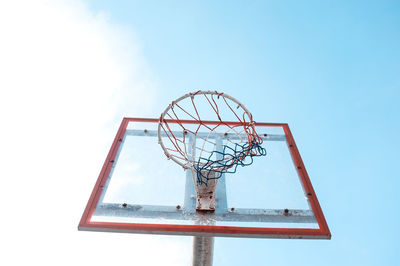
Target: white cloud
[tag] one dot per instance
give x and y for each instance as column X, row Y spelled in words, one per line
column 67, row 76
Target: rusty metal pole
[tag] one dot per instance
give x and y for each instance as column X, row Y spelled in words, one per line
column 203, row 247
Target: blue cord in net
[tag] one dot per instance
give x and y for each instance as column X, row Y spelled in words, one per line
column 230, row 159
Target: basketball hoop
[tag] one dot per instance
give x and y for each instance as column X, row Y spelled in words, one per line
column 208, row 150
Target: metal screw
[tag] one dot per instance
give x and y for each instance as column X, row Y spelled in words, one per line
column 124, row 205
column 178, row 207
column 232, row 209
column 309, row 194
column 145, row 131
column 286, row 212
column 111, row 161
column 299, row 167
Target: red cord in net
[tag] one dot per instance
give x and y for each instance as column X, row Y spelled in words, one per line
column 220, row 160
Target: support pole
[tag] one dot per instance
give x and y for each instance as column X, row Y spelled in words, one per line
column 203, row 247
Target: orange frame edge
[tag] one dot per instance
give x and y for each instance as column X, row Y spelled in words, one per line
column 322, row 232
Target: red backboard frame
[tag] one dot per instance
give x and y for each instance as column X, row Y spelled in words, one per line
column 205, row 230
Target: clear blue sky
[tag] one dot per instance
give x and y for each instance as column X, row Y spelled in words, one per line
column 331, row 69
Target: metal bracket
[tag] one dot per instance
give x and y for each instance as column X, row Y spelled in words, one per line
column 206, row 195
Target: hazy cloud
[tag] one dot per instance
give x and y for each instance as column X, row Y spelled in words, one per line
column 67, row 77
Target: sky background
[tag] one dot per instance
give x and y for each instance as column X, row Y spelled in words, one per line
column 70, row 70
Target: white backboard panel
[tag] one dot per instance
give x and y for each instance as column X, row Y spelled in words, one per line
column 140, row 191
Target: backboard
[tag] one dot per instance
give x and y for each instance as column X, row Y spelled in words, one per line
column 140, row 191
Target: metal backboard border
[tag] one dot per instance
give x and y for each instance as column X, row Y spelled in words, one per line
column 205, row 230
